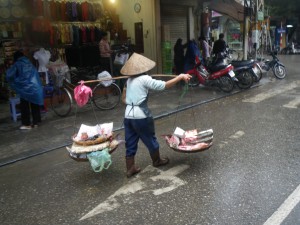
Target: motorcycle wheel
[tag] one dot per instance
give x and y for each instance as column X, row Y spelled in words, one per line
column 194, row 81
column 279, row 71
column 245, row 79
column 226, row 84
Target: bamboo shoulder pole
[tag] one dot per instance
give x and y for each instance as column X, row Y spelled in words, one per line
column 124, row 77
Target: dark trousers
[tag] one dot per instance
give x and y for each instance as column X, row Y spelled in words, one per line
column 143, row 129
column 27, row 110
column 179, row 67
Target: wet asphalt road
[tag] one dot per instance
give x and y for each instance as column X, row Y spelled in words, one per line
column 249, row 172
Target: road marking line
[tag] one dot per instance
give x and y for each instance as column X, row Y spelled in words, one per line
column 293, row 104
column 123, row 194
column 284, row 210
column 271, row 93
column 170, row 175
column 237, row 135
column 111, row 203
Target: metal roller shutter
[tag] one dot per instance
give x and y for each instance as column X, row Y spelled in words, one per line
column 176, row 17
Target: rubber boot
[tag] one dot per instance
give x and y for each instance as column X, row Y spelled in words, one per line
column 131, row 168
column 157, row 161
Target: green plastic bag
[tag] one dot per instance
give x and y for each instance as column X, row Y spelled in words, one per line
column 99, row 160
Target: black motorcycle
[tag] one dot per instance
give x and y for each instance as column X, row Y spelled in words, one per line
column 246, row 71
column 277, row 67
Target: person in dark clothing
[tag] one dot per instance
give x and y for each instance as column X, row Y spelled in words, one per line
column 219, row 45
column 179, row 55
column 192, row 52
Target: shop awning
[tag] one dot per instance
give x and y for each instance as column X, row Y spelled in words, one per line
column 228, row 7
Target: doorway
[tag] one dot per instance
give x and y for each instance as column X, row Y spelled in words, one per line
column 139, row 37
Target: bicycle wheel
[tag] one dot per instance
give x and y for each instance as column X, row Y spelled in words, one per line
column 61, row 101
column 106, row 97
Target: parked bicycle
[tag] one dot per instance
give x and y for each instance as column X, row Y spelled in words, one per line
column 61, row 100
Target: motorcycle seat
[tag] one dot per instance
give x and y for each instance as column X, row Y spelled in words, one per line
column 217, row 67
column 236, row 63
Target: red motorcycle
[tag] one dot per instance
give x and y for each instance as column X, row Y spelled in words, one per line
column 219, row 75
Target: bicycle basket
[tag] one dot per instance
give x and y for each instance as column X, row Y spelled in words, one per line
column 106, row 77
column 58, row 73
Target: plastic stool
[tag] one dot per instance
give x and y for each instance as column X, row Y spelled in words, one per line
column 13, row 102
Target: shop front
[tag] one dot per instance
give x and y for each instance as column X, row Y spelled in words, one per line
column 70, row 30
column 67, row 32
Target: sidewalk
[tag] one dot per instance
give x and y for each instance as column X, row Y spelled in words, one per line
column 55, row 132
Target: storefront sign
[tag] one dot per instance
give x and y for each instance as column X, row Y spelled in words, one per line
column 260, row 15
column 281, row 30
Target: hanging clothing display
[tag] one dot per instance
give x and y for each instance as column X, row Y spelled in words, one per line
column 67, row 11
column 42, row 56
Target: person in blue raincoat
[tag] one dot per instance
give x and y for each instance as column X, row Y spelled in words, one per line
column 24, row 78
column 191, row 52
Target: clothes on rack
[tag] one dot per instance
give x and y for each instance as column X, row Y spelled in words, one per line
column 42, row 32
column 66, row 10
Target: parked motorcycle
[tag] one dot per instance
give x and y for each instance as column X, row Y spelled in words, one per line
column 242, row 70
column 277, row 67
column 242, row 67
column 247, row 72
column 292, row 48
column 218, row 75
column 243, row 78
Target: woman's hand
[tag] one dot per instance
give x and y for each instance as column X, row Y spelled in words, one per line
column 185, row 77
column 182, row 76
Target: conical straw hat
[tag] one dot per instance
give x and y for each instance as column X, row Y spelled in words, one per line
column 137, row 64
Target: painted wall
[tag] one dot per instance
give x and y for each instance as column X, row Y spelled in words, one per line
column 150, row 17
column 125, row 10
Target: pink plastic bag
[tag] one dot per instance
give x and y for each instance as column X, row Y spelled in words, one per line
column 82, row 93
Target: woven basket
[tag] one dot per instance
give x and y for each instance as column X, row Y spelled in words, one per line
column 83, row 158
column 191, row 151
column 98, row 140
column 77, row 158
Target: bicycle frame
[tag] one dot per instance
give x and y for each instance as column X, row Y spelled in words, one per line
column 68, row 85
column 103, row 97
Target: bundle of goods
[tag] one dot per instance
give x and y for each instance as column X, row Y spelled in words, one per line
column 94, row 144
column 190, row 141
